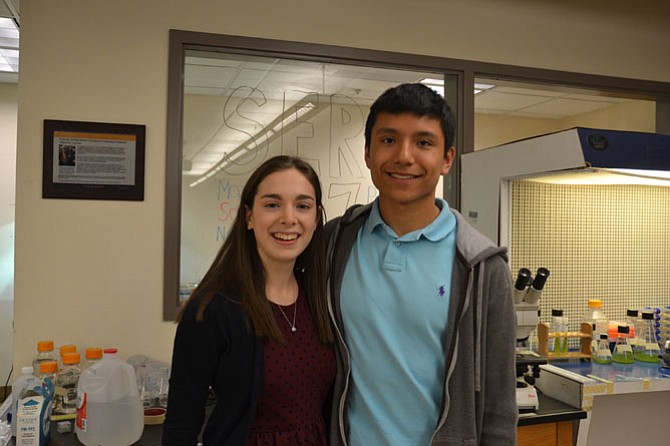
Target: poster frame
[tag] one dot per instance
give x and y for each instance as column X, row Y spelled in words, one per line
column 101, row 185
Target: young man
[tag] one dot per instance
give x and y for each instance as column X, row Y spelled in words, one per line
column 421, row 301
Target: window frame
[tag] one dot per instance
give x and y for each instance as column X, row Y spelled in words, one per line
column 462, row 102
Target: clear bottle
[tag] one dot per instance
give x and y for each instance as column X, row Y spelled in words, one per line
column 49, row 370
column 45, row 352
column 145, row 387
column 65, row 401
column 633, row 322
column 18, row 387
column 603, row 354
column 64, row 350
column 596, row 316
column 163, row 387
column 558, row 345
column 93, row 356
column 623, row 353
column 647, row 345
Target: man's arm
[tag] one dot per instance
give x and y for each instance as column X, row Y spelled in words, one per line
column 500, row 410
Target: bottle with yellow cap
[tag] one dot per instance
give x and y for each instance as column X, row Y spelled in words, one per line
column 45, row 352
column 65, row 401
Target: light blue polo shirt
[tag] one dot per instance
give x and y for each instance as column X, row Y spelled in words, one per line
column 395, row 303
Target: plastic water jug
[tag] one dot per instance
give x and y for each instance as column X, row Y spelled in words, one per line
column 109, row 410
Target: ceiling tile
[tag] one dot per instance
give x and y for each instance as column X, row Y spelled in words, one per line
column 491, row 99
column 567, row 107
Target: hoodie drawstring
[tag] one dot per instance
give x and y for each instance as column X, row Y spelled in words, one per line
column 478, row 328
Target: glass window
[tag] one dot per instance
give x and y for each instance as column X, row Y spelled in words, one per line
column 507, row 111
column 239, row 110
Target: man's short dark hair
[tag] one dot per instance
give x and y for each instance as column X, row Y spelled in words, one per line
column 418, row 100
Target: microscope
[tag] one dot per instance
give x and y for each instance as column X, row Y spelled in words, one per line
column 527, row 292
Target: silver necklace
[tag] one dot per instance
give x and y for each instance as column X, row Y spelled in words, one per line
column 295, row 308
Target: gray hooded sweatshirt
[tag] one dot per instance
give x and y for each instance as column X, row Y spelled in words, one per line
column 479, row 396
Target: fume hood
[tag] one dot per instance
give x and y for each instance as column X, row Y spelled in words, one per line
column 574, row 156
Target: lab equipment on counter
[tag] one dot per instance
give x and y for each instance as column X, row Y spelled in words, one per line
column 623, row 352
column 646, row 348
column 558, row 345
column 583, row 336
column 527, row 293
column 603, row 354
column 527, row 371
column 152, row 380
column 595, row 315
column 633, row 322
column 664, row 329
column 665, row 355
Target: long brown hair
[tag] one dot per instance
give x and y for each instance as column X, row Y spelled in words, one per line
column 238, row 267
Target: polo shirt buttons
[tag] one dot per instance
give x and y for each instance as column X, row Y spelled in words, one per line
column 397, row 242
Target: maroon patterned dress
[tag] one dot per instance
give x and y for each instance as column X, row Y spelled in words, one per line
column 297, row 378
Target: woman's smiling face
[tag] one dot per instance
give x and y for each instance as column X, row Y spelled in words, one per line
column 283, row 217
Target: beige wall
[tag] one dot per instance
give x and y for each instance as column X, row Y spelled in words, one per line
column 493, row 130
column 90, row 272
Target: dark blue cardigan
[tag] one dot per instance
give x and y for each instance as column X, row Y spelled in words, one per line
column 220, row 352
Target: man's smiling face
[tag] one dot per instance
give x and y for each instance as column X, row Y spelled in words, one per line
column 406, row 158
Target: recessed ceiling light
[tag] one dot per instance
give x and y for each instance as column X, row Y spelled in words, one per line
column 482, row 87
column 9, row 45
column 438, row 85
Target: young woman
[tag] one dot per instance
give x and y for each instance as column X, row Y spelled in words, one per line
column 256, row 329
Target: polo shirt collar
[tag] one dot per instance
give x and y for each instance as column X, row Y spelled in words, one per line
column 438, row 229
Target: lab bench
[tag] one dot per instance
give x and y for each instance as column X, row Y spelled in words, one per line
column 553, row 424
column 621, row 400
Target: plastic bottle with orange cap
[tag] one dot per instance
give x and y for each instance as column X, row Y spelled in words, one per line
column 45, row 352
column 65, row 401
